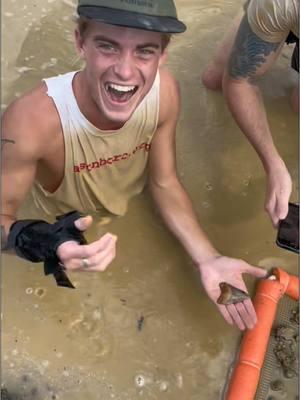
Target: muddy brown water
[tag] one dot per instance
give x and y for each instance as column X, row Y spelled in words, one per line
column 145, row 328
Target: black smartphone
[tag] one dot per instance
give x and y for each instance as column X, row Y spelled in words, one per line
column 288, row 230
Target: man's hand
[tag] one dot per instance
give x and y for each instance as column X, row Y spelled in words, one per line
column 91, row 257
column 279, row 188
column 224, row 269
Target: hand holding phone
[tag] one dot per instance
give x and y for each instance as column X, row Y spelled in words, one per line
column 288, row 230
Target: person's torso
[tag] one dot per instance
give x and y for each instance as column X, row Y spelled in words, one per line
column 272, row 20
column 103, row 169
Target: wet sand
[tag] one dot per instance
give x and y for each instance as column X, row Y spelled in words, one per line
column 145, row 328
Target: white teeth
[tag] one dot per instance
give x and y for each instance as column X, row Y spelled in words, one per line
column 119, row 88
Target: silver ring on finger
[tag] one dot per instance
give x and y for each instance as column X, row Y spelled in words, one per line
column 85, row 263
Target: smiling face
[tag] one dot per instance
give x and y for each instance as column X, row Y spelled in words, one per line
column 121, row 65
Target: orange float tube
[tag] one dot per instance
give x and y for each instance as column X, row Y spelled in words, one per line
column 245, row 377
column 290, row 283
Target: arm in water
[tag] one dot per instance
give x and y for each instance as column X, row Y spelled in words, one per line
column 27, row 136
column 179, row 215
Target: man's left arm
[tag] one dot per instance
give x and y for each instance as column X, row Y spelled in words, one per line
column 178, row 213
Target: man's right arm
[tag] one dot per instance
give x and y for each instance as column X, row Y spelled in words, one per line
column 251, row 57
column 23, row 145
column 19, row 156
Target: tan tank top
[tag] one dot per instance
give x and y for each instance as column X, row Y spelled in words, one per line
column 272, row 20
column 103, row 169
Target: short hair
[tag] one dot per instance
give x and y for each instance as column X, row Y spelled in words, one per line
column 83, row 23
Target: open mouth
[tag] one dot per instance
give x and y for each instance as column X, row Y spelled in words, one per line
column 120, row 94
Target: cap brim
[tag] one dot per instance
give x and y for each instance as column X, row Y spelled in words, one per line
column 132, row 20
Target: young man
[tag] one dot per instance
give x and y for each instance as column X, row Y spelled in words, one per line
column 248, row 50
column 83, row 141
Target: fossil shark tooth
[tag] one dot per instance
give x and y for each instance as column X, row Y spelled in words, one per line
column 230, row 294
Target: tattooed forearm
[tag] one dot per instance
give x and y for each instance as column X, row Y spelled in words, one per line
column 249, row 52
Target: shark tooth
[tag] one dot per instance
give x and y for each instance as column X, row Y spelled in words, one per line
column 230, row 294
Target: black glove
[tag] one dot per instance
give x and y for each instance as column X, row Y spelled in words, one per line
column 37, row 240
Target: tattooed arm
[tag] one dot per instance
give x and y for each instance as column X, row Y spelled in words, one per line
column 19, row 157
column 250, row 58
column 9, row 219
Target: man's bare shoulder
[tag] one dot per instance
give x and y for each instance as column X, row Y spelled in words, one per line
column 31, row 117
column 169, row 96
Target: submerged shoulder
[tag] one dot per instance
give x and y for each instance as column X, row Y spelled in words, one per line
column 169, row 96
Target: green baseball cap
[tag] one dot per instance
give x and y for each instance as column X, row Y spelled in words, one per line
column 151, row 15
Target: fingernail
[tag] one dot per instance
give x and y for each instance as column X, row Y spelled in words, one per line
column 112, row 238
